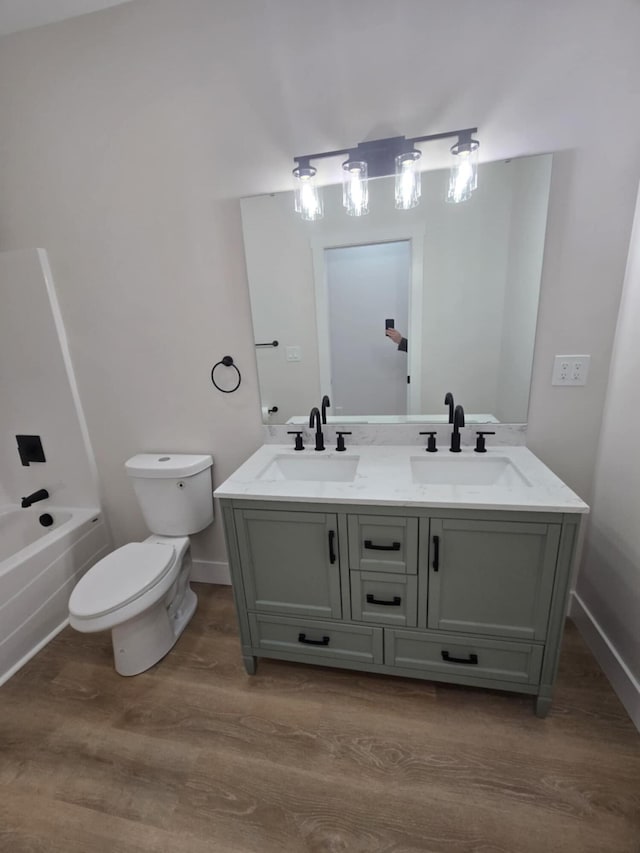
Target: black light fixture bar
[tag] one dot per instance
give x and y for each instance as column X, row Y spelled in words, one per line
column 380, row 154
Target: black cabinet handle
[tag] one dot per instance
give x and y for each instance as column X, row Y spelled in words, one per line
column 302, row 638
column 436, row 553
column 332, row 553
column 472, row 659
column 396, row 601
column 395, row 546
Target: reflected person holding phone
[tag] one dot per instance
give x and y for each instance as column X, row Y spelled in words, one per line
column 395, row 336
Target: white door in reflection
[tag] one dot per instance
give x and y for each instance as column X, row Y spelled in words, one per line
column 367, row 285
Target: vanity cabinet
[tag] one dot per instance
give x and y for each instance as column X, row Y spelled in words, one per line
column 466, row 596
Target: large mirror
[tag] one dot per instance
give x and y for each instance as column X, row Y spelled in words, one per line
column 458, row 283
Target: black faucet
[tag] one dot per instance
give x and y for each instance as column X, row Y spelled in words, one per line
column 326, row 402
column 458, row 421
column 40, row 495
column 315, row 415
column 448, row 401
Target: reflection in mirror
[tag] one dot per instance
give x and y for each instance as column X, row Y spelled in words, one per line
column 387, row 312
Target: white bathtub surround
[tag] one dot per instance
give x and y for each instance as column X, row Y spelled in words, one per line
column 41, row 397
column 385, row 476
column 39, row 566
column 506, row 435
column 37, row 578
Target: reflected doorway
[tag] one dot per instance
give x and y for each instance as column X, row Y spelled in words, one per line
column 368, row 285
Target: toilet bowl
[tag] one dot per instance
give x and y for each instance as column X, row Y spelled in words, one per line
column 141, row 592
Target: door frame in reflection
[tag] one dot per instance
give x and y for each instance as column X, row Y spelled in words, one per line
column 415, row 236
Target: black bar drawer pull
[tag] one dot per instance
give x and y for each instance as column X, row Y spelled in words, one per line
column 472, row 659
column 436, row 553
column 302, row 638
column 332, row 553
column 396, row 601
column 395, row 546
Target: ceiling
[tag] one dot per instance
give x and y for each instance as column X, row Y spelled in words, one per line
column 18, row 15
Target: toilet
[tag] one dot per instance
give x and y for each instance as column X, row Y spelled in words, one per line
column 141, row 591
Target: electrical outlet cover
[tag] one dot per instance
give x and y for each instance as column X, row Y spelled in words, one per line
column 570, row 369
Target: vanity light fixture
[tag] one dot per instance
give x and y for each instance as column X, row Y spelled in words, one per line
column 408, row 183
column 307, row 198
column 355, row 187
column 463, row 178
column 378, row 158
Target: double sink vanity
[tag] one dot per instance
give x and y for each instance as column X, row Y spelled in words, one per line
column 434, row 562
column 443, row 566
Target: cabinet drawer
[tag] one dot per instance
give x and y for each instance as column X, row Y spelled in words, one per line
column 385, row 598
column 465, row 657
column 379, row 543
column 312, row 638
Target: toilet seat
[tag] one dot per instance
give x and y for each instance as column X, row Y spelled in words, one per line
column 121, row 578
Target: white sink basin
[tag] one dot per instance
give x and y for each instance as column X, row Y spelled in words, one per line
column 466, row 471
column 325, row 469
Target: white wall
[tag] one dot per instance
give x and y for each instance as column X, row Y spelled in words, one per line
column 128, row 136
column 37, row 391
column 608, row 588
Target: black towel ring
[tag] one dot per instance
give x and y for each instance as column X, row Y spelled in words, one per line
column 227, row 361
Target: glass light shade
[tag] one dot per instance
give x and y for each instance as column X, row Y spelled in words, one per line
column 307, row 197
column 408, row 183
column 463, row 179
column 355, row 187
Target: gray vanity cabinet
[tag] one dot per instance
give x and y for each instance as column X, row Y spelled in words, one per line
column 465, row 596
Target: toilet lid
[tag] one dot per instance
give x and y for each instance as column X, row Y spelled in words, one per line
column 121, row 577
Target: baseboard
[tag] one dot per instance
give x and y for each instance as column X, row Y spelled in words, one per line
column 210, row 571
column 621, row 678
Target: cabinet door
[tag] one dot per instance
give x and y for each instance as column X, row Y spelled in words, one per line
column 290, row 562
column 491, row 577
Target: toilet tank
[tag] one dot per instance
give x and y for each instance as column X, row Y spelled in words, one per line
column 174, row 491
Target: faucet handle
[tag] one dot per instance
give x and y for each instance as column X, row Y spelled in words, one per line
column 480, row 441
column 341, row 434
column 431, row 442
column 298, row 434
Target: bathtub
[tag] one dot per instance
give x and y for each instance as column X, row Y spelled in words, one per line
column 39, row 566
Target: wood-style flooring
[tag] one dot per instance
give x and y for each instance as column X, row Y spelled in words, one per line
column 195, row 756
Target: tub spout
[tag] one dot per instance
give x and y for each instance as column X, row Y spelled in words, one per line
column 40, row 495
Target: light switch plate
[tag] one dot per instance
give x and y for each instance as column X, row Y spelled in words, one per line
column 570, row 369
column 293, row 354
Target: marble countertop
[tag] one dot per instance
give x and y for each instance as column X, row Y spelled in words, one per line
column 384, row 477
